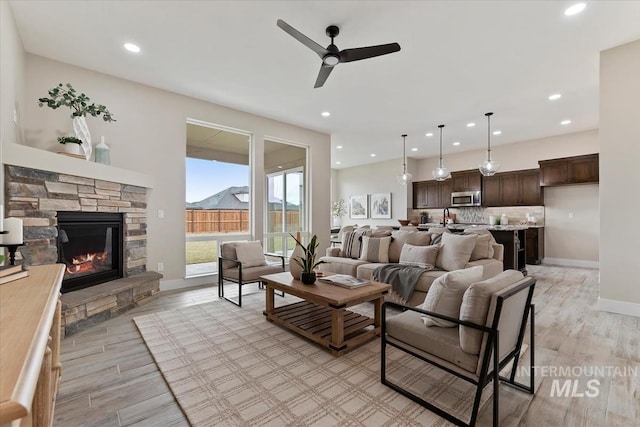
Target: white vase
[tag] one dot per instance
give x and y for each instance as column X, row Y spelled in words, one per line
column 82, row 133
column 337, row 221
column 73, row 148
column 294, row 268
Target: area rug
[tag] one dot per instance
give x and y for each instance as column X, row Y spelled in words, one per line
column 228, row 366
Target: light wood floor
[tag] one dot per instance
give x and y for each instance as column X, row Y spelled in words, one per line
column 110, row 379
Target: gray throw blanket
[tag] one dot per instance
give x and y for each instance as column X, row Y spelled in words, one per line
column 402, row 278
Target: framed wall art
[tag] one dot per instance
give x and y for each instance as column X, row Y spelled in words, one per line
column 380, row 205
column 358, row 207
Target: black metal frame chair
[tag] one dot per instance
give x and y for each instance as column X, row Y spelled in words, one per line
column 239, row 280
column 492, row 347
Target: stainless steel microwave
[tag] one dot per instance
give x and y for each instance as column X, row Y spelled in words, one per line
column 465, row 198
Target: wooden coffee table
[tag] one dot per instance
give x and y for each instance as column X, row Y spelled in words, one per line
column 323, row 316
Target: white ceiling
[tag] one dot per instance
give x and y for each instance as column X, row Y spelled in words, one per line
column 459, row 59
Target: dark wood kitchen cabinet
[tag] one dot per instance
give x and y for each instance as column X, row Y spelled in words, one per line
column 470, row 180
column 518, row 188
column 534, row 242
column 570, row 170
column 515, row 251
column 431, row 194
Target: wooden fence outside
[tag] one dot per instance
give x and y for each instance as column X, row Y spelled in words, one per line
column 231, row 221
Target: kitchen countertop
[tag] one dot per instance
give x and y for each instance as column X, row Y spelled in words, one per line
column 458, row 226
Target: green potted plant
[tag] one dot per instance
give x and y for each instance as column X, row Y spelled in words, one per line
column 71, row 144
column 67, row 96
column 308, row 262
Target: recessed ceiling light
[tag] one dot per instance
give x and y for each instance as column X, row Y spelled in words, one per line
column 575, row 9
column 372, row 154
column 339, row 147
column 497, row 132
column 555, row 97
column 132, row 47
column 279, row 167
column 456, row 143
column 337, row 163
column 470, row 125
column 429, row 134
column 414, row 149
column 326, row 114
column 565, row 122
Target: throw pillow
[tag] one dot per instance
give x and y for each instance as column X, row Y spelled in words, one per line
column 483, row 248
column 250, row 254
column 455, row 251
column 475, row 307
column 436, row 234
column 400, row 237
column 445, row 295
column 422, row 256
column 375, row 249
column 351, row 243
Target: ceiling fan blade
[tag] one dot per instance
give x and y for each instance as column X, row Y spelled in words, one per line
column 350, row 55
column 325, row 70
column 321, row 51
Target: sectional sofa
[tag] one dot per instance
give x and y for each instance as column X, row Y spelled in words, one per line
column 362, row 251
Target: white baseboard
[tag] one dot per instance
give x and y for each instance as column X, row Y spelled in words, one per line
column 571, row 262
column 169, row 285
column 619, row 307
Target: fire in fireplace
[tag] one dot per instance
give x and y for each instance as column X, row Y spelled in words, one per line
column 90, row 244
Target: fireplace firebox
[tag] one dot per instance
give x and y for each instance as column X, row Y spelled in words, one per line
column 90, row 244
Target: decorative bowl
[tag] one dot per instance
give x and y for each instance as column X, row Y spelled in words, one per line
column 403, row 222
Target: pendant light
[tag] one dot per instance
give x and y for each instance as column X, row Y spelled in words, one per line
column 489, row 167
column 405, row 178
column 441, row 173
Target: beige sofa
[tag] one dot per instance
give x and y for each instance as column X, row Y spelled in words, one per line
column 336, row 262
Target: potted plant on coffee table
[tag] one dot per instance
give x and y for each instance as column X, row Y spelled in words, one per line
column 308, row 262
column 67, row 96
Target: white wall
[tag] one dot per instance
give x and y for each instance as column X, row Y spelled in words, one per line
column 572, row 225
column 149, row 137
column 11, row 83
column 619, row 177
column 373, row 178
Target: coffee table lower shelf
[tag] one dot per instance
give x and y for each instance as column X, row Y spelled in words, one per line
column 337, row 330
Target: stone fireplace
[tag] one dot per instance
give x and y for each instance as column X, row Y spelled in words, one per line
column 52, row 207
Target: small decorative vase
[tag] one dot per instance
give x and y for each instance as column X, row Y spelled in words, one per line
column 82, row 133
column 337, row 221
column 309, row 278
column 294, row 268
column 73, row 148
column 102, row 153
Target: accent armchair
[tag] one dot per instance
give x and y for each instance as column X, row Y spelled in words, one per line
column 493, row 319
column 242, row 263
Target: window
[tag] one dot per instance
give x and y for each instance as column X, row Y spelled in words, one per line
column 286, row 205
column 218, row 195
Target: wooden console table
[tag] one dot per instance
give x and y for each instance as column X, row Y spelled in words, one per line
column 30, row 347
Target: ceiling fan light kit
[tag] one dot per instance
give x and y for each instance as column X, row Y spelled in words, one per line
column 489, row 167
column 441, row 173
column 331, row 55
column 406, row 177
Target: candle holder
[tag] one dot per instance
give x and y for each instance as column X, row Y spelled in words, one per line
column 12, row 247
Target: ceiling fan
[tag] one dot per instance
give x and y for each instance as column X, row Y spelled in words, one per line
column 331, row 56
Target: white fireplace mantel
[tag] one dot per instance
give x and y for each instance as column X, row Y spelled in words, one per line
column 34, row 158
